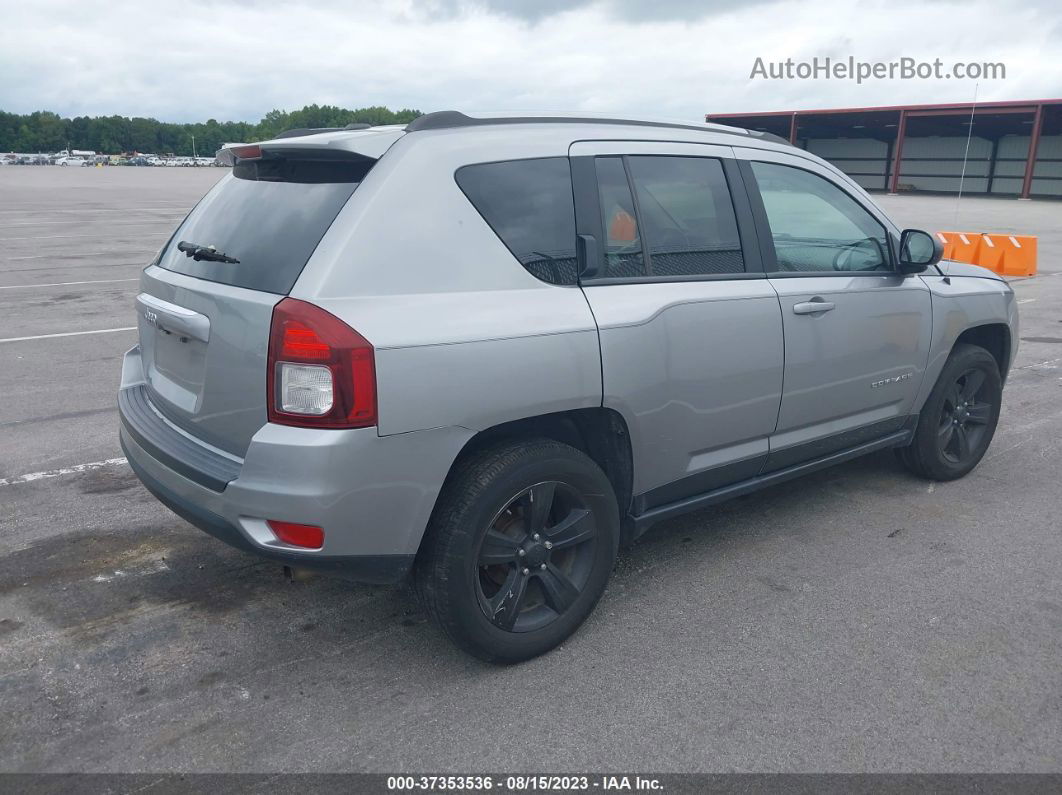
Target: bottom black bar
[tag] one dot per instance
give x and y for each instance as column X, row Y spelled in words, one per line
column 750, row 783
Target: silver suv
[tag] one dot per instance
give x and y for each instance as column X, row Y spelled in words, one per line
column 484, row 352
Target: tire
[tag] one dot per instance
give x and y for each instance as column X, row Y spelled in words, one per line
column 958, row 420
column 522, row 589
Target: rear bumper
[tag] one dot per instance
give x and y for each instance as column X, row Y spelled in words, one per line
column 201, row 464
column 377, row 569
column 373, row 495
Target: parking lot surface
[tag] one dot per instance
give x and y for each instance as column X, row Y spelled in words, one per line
column 855, row 620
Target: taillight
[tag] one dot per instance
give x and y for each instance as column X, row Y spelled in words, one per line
column 320, row 372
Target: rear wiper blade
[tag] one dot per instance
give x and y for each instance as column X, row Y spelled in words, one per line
column 209, row 253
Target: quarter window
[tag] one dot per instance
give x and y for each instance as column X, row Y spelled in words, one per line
column 816, row 226
column 529, row 205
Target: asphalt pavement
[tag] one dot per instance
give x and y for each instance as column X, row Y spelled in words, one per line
column 855, row 620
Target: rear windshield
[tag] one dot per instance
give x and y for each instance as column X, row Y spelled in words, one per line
column 270, row 215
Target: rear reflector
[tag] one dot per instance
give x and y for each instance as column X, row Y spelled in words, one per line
column 298, row 535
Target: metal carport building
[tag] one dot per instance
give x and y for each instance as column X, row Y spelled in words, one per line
column 1015, row 148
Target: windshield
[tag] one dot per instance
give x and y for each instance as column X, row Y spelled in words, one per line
column 268, row 217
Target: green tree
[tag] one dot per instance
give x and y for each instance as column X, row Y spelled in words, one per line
column 44, row 131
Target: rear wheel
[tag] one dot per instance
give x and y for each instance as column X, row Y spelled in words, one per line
column 959, row 418
column 519, row 549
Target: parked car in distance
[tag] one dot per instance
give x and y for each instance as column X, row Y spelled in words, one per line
column 71, row 161
column 485, row 352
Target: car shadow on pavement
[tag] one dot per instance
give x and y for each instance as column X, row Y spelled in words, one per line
column 116, row 591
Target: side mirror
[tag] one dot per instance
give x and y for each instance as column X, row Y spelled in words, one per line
column 919, row 250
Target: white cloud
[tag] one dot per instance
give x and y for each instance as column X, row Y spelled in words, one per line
column 233, row 59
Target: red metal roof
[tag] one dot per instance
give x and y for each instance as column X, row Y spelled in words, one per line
column 1029, row 103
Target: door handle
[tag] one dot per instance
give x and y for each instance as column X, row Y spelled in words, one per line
column 813, row 307
column 586, row 255
column 172, row 318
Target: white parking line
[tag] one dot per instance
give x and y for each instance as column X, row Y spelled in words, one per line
column 54, row 473
column 52, row 256
column 1048, row 365
column 76, row 256
column 68, row 221
column 68, row 334
column 53, row 237
column 63, row 284
column 51, row 209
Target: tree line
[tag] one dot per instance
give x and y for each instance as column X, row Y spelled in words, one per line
column 44, row 131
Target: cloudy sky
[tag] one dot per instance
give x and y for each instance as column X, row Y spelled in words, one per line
column 237, row 59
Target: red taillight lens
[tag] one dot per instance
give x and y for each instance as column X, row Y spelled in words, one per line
column 300, row 344
column 298, row 535
column 303, row 334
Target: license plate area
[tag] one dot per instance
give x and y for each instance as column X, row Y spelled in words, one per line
column 176, row 368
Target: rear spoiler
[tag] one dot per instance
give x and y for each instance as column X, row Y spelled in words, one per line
column 228, row 154
column 369, row 143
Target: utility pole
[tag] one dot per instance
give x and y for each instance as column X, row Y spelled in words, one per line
column 193, row 148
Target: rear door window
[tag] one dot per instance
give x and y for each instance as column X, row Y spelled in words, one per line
column 270, row 215
column 624, row 257
column 688, row 217
column 529, row 205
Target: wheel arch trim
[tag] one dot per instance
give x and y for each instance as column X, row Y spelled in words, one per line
column 972, row 313
column 601, row 433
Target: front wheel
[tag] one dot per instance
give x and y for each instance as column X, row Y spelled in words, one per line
column 959, row 418
column 519, row 549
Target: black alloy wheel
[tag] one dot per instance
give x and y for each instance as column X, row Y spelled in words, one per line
column 964, row 417
column 535, row 557
column 519, row 548
column 958, row 418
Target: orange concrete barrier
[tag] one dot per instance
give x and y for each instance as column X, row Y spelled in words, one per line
column 1007, row 255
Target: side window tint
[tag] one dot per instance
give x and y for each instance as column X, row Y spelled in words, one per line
column 688, row 216
column 623, row 243
column 816, row 226
column 529, row 205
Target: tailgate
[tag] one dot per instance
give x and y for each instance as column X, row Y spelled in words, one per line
column 205, row 306
column 203, row 347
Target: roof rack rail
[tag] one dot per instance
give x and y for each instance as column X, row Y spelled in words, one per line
column 300, row 131
column 451, row 119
